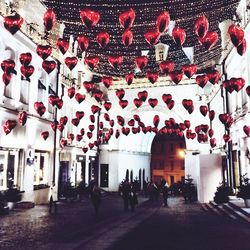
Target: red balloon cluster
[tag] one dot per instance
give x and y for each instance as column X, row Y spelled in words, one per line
column 234, row 84
column 236, row 34
column 8, row 67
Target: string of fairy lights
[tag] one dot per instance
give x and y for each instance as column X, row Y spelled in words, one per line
column 184, row 12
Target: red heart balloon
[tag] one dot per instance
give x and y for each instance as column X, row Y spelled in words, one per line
column 49, row 66
column 204, row 110
column 107, row 81
column 91, row 127
column 226, row 138
column 248, row 90
column 63, row 120
column 102, row 39
column 176, row 76
column 212, row 142
column 79, row 137
column 62, row 45
column 201, row 26
column 101, row 125
column 224, row 118
column 44, row 51
column 53, row 99
column 187, row 124
column 120, row 93
column 125, row 131
column 22, row 117
column 210, row 132
column 127, row 18
column 162, row 21
column 60, row 127
column 141, row 62
column 45, row 135
column 85, row 150
column 91, row 61
column 228, row 85
column 89, row 135
column 90, row 18
column 98, row 95
column 213, row 76
column 131, row 122
column 54, row 125
column 209, row 40
column 189, row 70
column 40, row 108
column 156, row 120
column 137, row 102
column 79, row 115
column 49, row 19
column 107, row 105
column 123, row 103
column 9, row 125
column 167, row 98
column 211, row 115
column 166, row 67
column 152, row 102
column 201, row 80
column 129, row 78
column 242, row 48
column 13, row 23
column 82, row 131
column 179, row 36
column 152, row 37
column 71, row 137
column 8, row 66
column 187, row 103
column 111, row 123
column 83, row 42
column 137, row 118
column 238, row 83
column 143, row 95
column 127, row 37
column 95, row 109
column 120, row 120
column 71, row 92
column 27, row 71
column 25, row 58
column 80, row 97
column 117, row 134
column 115, row 61
column 75, row 121
column 71, row 62
column 89, row 86
column 152, row 76
column 92, row 118
column 63, row 142
column 191, row 109
column 171, row 104
column 6, row 78
column 106, row 117
column 236, row 34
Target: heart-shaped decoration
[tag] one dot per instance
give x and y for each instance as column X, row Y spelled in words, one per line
column 143, row 95
column 79, row 137
column 137, row 102
column 167, row 98
column 182, row 126
column 152, row 102
column 6, row 78
column 171, row 104
column 111, row 123
column 131, row 122
column 59, row 103
column 125, row 131
column 8, row 66
column 242, row 48
column 187, row 103
column 201, row 26
column 71, row 62
column 90, row 18
column 45, row 135
column 25, row 58
column 44, row 51
column 63, row 142
column 246, row 129
column 179, row 35
column 71, row 136
column 75, row 121
column 127, row 18
column 106, row 117
column 212, row 142
column 187, row 124
column 79, row 115
column 40, row 108
column 201, row 80
column 162, row 21
column 152, row 76
column 89, row 86
column 166, row 67
column 152, row 37
column 63, row 120
column 98, row 95
column 141, row 124
column 117, row 134
column 60, row 127
column 91, row 127
column 95, row 109
column 107, row 105
column 213, row 76
column 49, row 19
column 22, row 117
column 91, row 61
column 49, row 66
column 91, row 145
column 189, row 70
column 228, row 85
column 248, row 90
column 224, row 118
column 127, row 37
column 120, row 93
column 27, row 71
column 141, row 62
column 83, row 42
column 85, row 150
column 54, row 125
column 80, row 97
column 211, row 115
column 156, row 120
column 89, row 135
column 176, row 76
column 107, row 81
column 120, row 120
column 101, row 125
column 82, row 131
column 136, row 118
column 13, row 23
column 9, row 125
column 236, row 34
column 123, row 103
column 209, row 40
column 190, row 110
column 115, row 61
column 71, row 92
column 102, row 39
column 62, row 45
column 204, row 110
column 226, row 138
column 210, row 132
column 238, row 83
column 129, row 78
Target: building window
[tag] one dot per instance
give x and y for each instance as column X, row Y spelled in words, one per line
column 172, row 165
column 41, row 169
column 24, row 93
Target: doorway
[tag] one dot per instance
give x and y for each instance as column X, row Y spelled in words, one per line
column 104, row 178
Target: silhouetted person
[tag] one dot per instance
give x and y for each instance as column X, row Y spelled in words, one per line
column 165, row 190
column 133, row 197
column 155, row 192
column 126, row 190
column 95, row 196
column 52, row 199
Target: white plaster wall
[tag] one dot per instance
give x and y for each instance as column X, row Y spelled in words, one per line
column 192, row 166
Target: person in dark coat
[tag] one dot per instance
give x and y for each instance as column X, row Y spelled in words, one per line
column 165, row 190
column 126, row 190
column 133, row 197
column 95, row 196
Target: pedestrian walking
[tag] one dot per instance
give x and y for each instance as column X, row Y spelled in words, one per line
column 133, row 198
column 165, row 190
column 126, row 192
column 95, row 196
column 52, row 199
